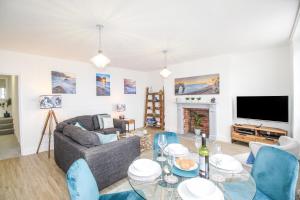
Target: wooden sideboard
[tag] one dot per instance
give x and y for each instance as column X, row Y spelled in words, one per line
column 247, row 133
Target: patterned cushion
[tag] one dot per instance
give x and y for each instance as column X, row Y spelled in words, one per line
column 85, row 138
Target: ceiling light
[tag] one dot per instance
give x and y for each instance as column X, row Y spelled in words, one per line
column 165, row 72
column 100, row 60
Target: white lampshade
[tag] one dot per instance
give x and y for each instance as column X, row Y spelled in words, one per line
column 100, row 60
column 165, row 73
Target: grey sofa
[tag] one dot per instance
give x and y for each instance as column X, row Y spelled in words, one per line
column 108, row 162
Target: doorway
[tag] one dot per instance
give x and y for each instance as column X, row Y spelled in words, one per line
column 9, row 117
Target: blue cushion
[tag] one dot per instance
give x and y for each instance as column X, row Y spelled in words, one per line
column 129, row 195
column 104, row 139
column 81, row 182
column 250, row 159
column 276, row 172
column 261, row 196
column 77, row 124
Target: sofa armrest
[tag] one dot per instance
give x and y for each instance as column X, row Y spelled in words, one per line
column 109, row 162
column 120, row 124
column 255, row 146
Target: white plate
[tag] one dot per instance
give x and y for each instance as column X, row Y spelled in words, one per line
column 207, row 187
column 176, row 149
column 143, row 178
column 191, row 169
column 186, row 195
column 149, row 169
column 226, row 163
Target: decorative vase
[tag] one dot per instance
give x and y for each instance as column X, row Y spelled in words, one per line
column 6, row 114
column 197, row 131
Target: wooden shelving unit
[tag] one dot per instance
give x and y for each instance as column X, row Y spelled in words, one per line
column 247, row 133
column 155, row 109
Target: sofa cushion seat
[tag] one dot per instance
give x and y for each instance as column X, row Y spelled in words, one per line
column 85, row 138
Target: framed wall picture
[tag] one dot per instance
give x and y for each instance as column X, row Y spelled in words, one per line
column 102, row 84
column 196, row 85
column 129, row 86
column 63, row 83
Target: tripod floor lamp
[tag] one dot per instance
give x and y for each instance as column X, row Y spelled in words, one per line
column 49, row 102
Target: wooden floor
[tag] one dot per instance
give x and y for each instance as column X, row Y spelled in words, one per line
column 37, row 177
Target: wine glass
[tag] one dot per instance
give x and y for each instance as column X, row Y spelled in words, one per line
column 170, row 162
column 198, row 142
column 162, row 143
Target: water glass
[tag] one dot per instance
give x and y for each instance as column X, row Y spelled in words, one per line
column 162, row 143
column 170, row 162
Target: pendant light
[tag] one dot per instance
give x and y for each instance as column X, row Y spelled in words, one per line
column 100, row 60
column 165, row 72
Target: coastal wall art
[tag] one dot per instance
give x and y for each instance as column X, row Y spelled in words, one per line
column 129, row 86
column 102, row 84
column 196, row 85
column 63, row 83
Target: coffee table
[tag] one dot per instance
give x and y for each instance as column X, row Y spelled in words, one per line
column 239, row 186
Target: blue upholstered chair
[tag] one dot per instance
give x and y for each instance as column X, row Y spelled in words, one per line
column 171, row 138
column 82, row 185
column 275, row 173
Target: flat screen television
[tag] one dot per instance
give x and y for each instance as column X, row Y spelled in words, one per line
column 271, row 108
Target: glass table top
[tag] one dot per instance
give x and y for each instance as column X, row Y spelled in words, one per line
column 239, row 186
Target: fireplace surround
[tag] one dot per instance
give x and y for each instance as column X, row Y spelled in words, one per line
column 204, row 108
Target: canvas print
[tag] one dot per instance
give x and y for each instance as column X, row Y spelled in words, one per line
column 129, row 86
column 50, row 101
column 63, row 83
column 102, row 84
column 207, row 84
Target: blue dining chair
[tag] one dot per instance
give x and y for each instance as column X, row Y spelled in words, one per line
column 82, row 185
column 171, row 138
column 275, row 173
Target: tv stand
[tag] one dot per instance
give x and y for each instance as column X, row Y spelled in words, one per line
column 247, row 133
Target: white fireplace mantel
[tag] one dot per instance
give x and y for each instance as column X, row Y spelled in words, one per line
column 202, row 105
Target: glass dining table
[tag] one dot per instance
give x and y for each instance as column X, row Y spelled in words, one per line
column 235, row 186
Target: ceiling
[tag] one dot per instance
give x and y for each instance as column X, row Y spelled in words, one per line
column 136, row 31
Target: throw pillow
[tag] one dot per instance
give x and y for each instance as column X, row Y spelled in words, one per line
column 250, row 159
column 77, row 124
column 104, row 139
column 85, row 138
column 108, row 122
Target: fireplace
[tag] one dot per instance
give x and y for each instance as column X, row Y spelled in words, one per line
column 185, row 121
column 189, row 120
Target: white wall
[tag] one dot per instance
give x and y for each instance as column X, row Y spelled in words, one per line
column 34, row 73
column 265, row 72
column 296, row 79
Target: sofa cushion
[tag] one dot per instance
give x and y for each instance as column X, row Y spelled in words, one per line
column 85, row 138
column 99, row 123
column 104, row 139
column 110, row 130
column 108, row 122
